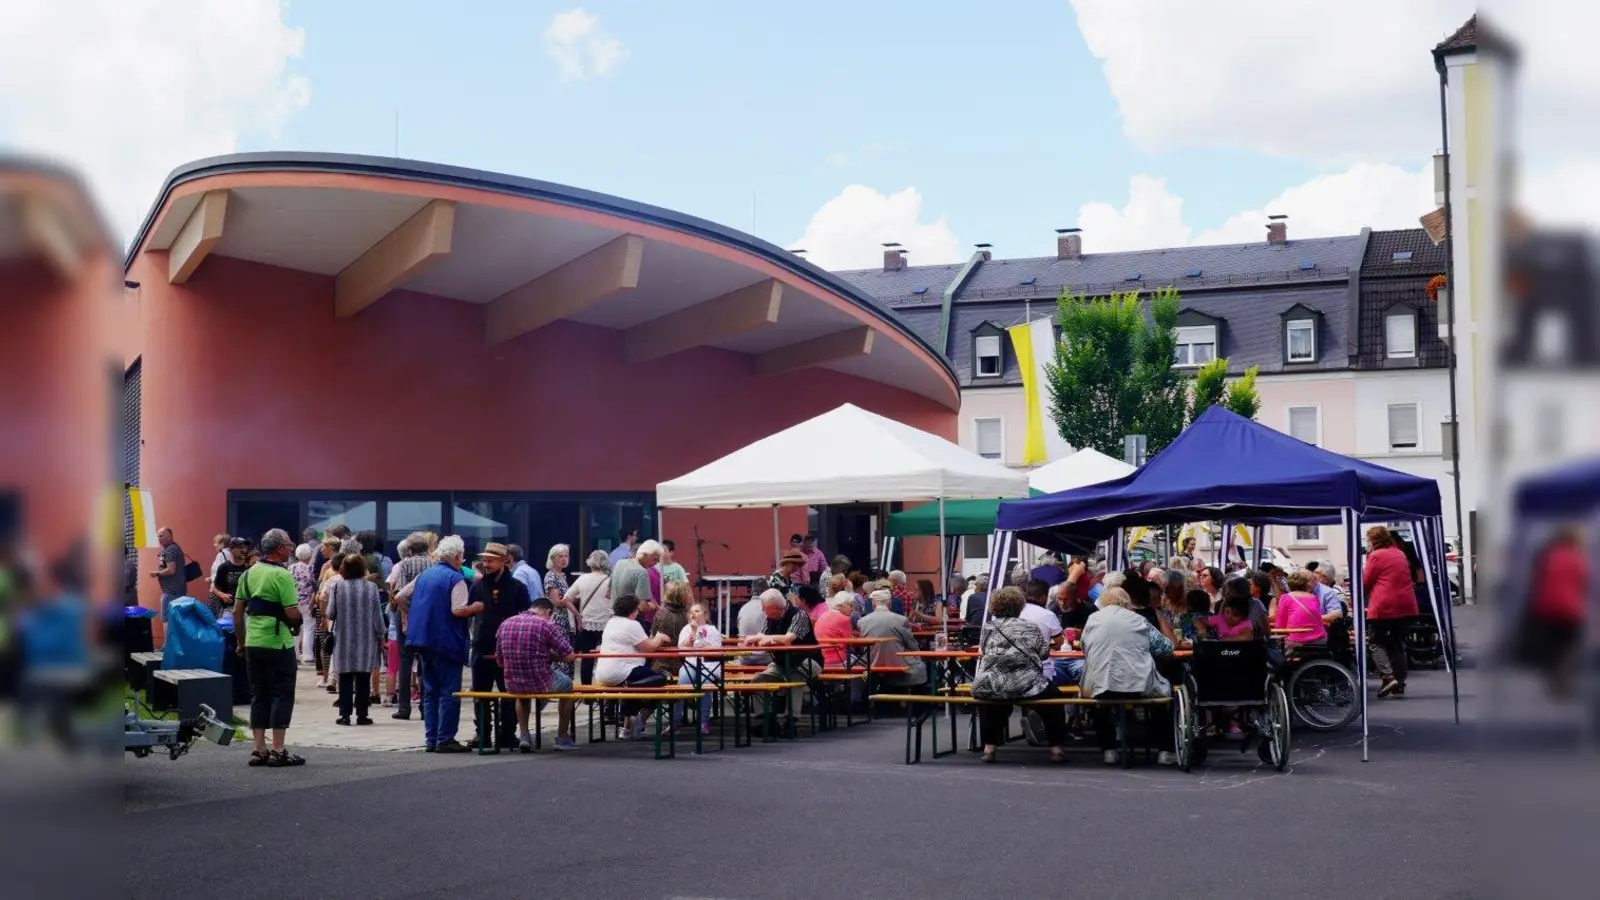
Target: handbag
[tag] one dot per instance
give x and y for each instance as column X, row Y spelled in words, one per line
column 191, row 571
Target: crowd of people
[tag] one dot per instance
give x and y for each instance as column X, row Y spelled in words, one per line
column 401, row 633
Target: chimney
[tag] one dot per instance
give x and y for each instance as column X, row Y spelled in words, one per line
column 1069, row 243
column 1277, row 230
column 894, row 257
column 985, row 250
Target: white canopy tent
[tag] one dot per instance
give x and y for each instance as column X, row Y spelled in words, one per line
column 848, row 455
column 1087, row 466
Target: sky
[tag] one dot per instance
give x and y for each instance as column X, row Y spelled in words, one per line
column 829, row 126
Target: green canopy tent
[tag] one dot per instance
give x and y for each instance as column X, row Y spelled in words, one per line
column 960, row 517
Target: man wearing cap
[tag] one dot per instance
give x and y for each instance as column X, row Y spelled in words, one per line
column 225, row 575
column 502, row 596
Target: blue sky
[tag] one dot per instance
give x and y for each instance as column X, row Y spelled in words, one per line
column 1149, row 123
column 755, row 114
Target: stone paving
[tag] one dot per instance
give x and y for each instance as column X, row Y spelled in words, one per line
column 314, row 725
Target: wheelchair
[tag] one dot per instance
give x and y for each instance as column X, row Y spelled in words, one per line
column 1232, row 674
column 1323, row 692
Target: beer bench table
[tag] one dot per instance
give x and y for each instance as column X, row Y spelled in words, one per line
column 185, row 690
column 921, row 708
column 659, row 702
column 142, row 669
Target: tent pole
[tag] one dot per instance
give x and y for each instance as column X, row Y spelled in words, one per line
column 1358, row 607
column 944, row 573
column 777, row 551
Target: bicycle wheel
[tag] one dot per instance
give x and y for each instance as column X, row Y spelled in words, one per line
column 1323, row 695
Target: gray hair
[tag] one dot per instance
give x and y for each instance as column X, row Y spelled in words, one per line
column 555, row 551
column 451, row 546
column 274, row 540
column 773, row 597
column 515, row 552
column 844, row 602
column 351, row 547
column 303, row 553
column 600, row 561
column 416, row 542
column 1329, row 568
column 1114, row 580
column 981, row 584
column 881, row 598
column 647, row 548
column 897, row 577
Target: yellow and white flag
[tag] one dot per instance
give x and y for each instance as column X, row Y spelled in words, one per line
column 1241, row 536
column 1035, row 345
column 142, row 509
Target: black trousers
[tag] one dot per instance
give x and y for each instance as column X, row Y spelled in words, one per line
column 356, row 686
column 585, row 641
column 487, row 676
column 272, row 675
column 994, row 722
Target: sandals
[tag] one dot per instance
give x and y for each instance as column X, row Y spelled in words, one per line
column 987, row 757
column 278, row 759
column 260, row 758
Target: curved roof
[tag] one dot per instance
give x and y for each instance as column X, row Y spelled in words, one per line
column 46, row 210
column 516, row 244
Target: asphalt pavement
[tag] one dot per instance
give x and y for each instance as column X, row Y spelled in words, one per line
column 831, row 816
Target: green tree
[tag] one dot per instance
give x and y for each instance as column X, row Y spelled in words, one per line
column 1112, row 373
column 1210, row 382
column 1242, row 398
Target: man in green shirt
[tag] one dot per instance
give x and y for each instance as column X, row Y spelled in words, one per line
column 266, row 611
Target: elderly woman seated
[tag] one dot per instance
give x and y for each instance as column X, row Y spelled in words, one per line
column 835, row 623
column 1012, row 668
column 1119, row 650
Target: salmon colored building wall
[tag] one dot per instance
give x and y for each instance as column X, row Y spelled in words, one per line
column 251, row 382
column 56, row 405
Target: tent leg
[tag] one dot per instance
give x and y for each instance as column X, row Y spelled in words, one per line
column 777, row 548
column 944, row 573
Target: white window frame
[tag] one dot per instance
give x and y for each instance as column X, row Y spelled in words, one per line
column 977, row 444
column 1549, row 431
column 1184, row 336
column 1389, row 437
column 1389, row 351
column 1288, row 420
column 1317, row 541
column 999, row 356
column 1290, row 326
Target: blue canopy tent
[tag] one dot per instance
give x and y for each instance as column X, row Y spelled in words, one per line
column 1567, row 494
column 1229, row 468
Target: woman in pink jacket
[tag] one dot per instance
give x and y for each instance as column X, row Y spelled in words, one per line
column 1391, row 604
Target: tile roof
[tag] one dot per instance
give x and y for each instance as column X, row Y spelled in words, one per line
column 1474, row 35
column 1464, row 38
column 1426, row 258
column 899, row 287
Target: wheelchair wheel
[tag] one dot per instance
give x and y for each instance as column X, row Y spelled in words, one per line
column 1274, row 747
column 1323, row 695
column 1183, row 728
column 1194, row 742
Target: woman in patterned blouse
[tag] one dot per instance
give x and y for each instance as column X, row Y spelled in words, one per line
column 1012, row 668
column 555, row 590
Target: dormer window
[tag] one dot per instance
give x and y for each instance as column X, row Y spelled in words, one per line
column 1301, row 325
column 1400, row 333
column 988, row 351
column 1197, row 345
column 1300, row 337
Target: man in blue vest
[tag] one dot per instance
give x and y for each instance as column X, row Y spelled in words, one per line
column 437, row 633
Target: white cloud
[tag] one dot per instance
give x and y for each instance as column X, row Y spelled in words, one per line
column 1379, row 196
column 1365, row 195
column 846, row 233
column 1300, row 78
column 128, row 91
column 581, row 46
column 1152, row 217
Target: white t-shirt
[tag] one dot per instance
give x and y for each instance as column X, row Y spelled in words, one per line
column 592, row 592
column 705, row 635
column 1044, row 618
column 621, row 635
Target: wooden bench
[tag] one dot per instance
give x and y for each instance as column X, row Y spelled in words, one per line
column 484, row 711
column 915, row 717
column 185, row 690
column 141, row 670
column 742, row 692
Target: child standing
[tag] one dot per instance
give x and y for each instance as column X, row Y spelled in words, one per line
column 698, row 634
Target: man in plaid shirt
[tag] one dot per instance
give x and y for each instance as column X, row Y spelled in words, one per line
column 414, row 561
column 525, row 646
